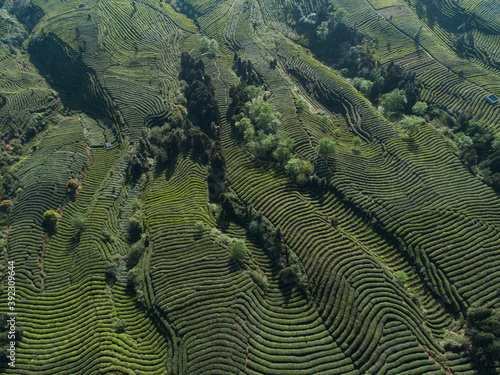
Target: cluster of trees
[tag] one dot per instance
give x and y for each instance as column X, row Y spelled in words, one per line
column 208, row 45
column 244, row 69
column 259, row 124
column 327, row 31
column 195, row 126
column 484, row 333
column 478, row 145
column 270, row 238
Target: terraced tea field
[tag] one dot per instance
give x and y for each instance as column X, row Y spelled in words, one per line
column 191, row 187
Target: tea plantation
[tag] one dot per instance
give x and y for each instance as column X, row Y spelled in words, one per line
column 250, row 187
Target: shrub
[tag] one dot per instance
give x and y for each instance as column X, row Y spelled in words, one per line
column 419, row 108
column 337, row 133
column 326, row 147
column 135, row 226
column 356, row 142
column 238, row 250
column 51, row 217
column 344, row 72
column 120, row 326
column 135, row 253
column 136, row 204
column 259, row 279
column 199, row 226
column 78, row 221
column 401, row 276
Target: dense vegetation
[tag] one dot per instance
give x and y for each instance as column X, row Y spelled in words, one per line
column 251, row 187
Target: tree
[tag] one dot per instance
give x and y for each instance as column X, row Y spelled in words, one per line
column 393, row 101
column 283, row 150
column 326, row 147
column 412, row 124
column 356, row 142
column 419, row 108
column 292, row 167
column 204, row 43
column 238, row 250
column 78, row 221
column 496, row 142
column 213, row 47
column 322, row 31
column 199, row 226
column 51, row 217
column 72, row 185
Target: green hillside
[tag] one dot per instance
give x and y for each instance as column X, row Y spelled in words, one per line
column 250, row 187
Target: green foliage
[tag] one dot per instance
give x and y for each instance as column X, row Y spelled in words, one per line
column 484, row 331
column 322, row 31
column 199, row 226
column 213, row 46
column 254, row 92
column 51, row 217
column 135, row 226
column 419, row 108
column 78, row 221
column 496, row 142
column 238, row 250
column 136, row 204
column 363, row 85
column 412, row 124
column 401, row 276
column 283, row 151
column 463, row 141
column 356, row 142
column 326, row 147
column 337, row 132
column 455, row 342
column 344, row 72
column 120, row 326
column 263, row 116
column 292, row 167
column 259, row 279
column 393, row 101
column 203, row 43
column 208, row 45
column 135, row 253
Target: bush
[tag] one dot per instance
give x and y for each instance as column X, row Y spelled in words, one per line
column 356, row 142
column 326, row 147
column 238, row 250
column 259, row 279
column 78, row 221
column 401, row 276
column 199, row 226
column 135, row 226
column 135, row 253
column 51, row 217
column 136, row 204
column 120, row 326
